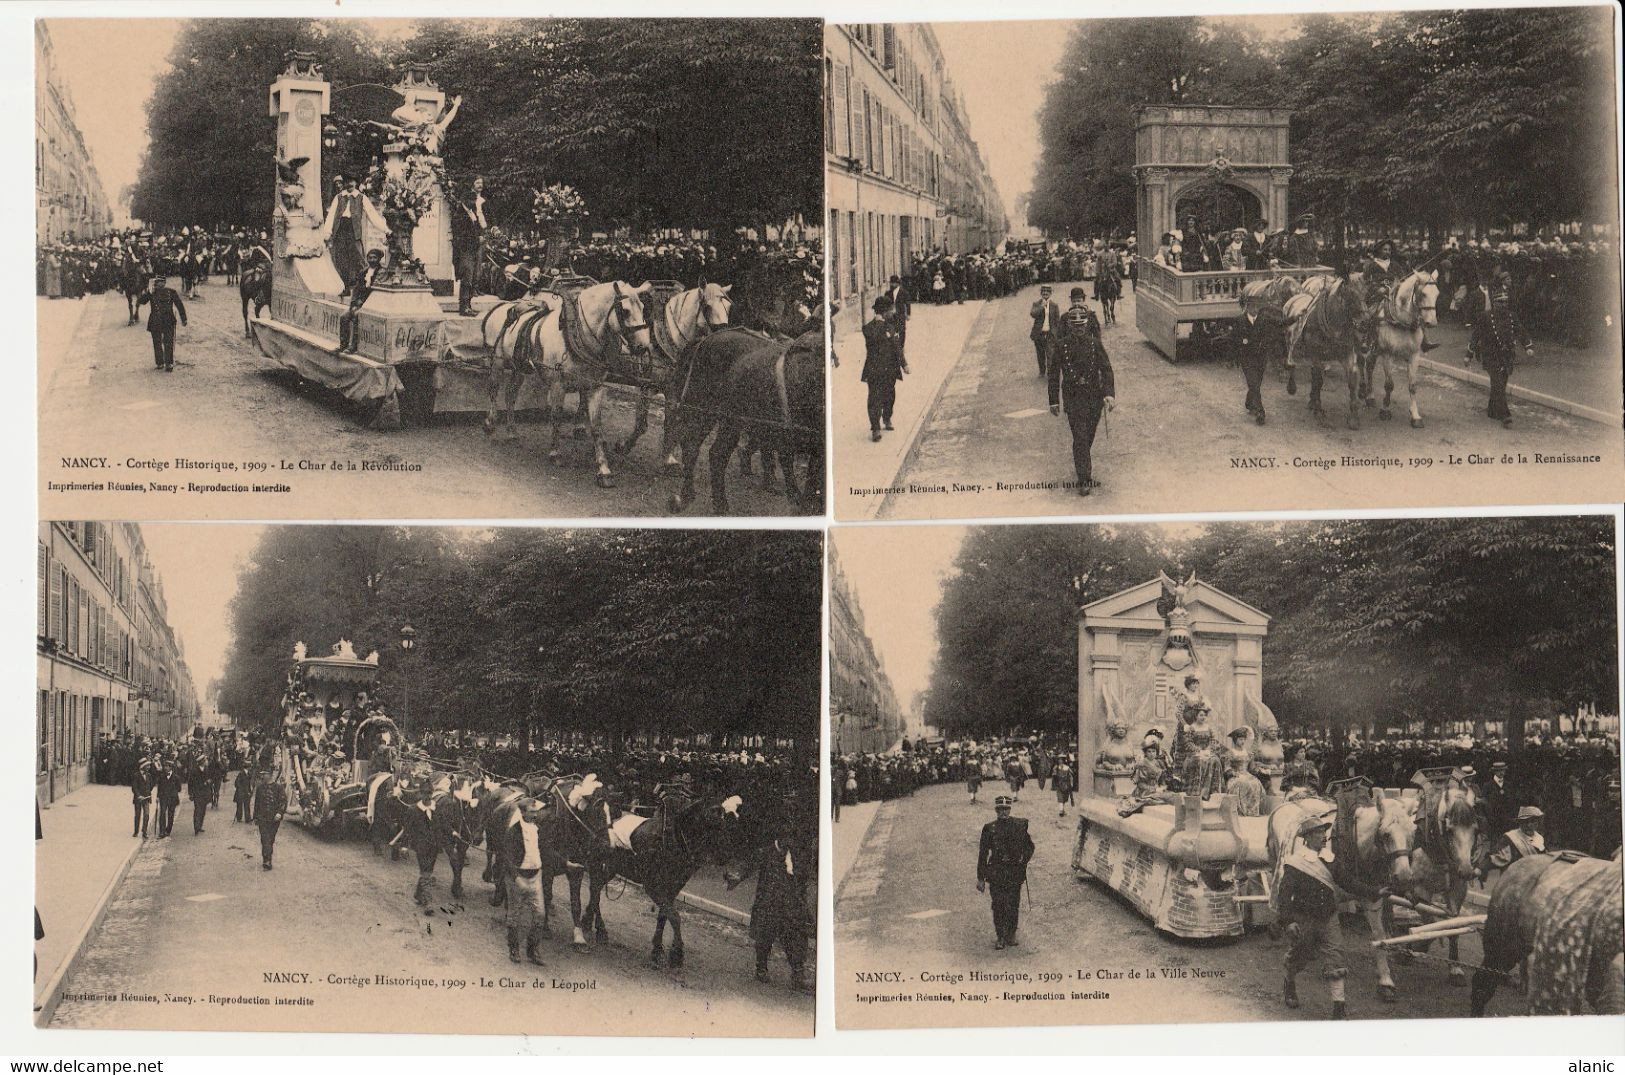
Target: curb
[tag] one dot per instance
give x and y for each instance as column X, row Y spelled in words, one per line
column 926, row 412
column 1528, row 395
column 45, row 1008
column 861, row 841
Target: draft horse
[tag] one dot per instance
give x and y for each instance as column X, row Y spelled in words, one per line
column 573, row 345
column 1410, row 307
column 254, row 286
column 1325, row 320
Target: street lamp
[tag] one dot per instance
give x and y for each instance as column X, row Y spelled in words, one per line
column 409, row 641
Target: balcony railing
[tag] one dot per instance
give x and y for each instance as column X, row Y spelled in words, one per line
column 1221, row 290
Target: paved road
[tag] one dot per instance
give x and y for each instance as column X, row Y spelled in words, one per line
column 196, row 917
column 909, row 904
column 100, row 396
column 1180, row 441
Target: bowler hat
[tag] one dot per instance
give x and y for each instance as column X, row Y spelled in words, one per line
column 1530, row 813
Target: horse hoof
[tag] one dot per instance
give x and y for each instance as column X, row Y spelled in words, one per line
column 1370, row 402
column 621, row 447
column 547, row 931
column 1416, row 423
column 655, row 959
column 601, row 937
column 605, row 481
column 1291, row 387
column 1387, row 994
column 579, row 434
column 1354, row 421
column 675, row 504
column 490, row 428
column 1385, row 414
column 672, row 467
column 581, row 946
column 1458, row 980
column 456, row 892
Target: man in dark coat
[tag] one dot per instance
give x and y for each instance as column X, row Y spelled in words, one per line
column 141, row 784
column 1081, row 379
column 883, row 365
column 1495, row 799
column 243, row 794
column 780, row 910
column 169, row 796
column 1046, row 317
column 902, row 305
column 201, row 793
column 1255, row 248
column 1258, row 335
column 1300, row 248
column 166, row 307
column 1001, row 861
column 1496, row 336
column 270, row 803
column 467, row 245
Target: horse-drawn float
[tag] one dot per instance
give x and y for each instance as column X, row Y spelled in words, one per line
column 388, row 356
column 1225, row 166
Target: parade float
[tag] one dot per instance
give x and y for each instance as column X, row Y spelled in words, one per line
column 1229, row 167
column 399, row 370
column 1185, row 861
column 329, row 734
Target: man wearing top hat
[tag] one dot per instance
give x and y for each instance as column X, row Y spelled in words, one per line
column 1306, row 904
column 1001, row 862
column 1495, row 798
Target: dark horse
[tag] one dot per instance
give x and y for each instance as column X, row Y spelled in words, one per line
column 1562, row 913
column 447, row 822
column 1325, row 321
column 571, row 828
column 255, row 287
column 740, row 380
column 132, row 281
column 708, row 832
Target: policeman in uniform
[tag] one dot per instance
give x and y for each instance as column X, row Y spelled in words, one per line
column 166, row 308
column 1307, row 904
column 1080, row 377
column 1496, row 334
column 1001, row 862
column 270, row 803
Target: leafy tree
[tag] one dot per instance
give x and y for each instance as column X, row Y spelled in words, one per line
column 1085, row 181
column 657, row 122
column 212, row 143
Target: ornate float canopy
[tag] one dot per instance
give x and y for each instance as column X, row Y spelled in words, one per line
column 1180, row 150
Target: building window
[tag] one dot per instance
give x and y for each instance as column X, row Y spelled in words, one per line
column 42, row 756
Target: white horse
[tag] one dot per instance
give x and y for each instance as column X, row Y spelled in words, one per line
column 688, row 316
column 573, row 346
column 1410, row 307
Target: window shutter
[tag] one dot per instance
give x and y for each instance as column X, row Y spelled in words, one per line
column 43, row 580
column 842, row 113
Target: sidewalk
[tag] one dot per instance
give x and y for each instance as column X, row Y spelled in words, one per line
column 58, row 322
column 846, row 836
column 86, row 850
column 1584, row 383
column 936, row 338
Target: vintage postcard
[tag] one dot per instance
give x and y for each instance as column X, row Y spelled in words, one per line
column 1140, row 265
column 435, row 268
column 1226, row 772
column 431, row 780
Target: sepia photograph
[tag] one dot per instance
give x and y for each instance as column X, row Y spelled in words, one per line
column 1221, row 263
column 1226, row 772
column 427, row 780
column 297, row 268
